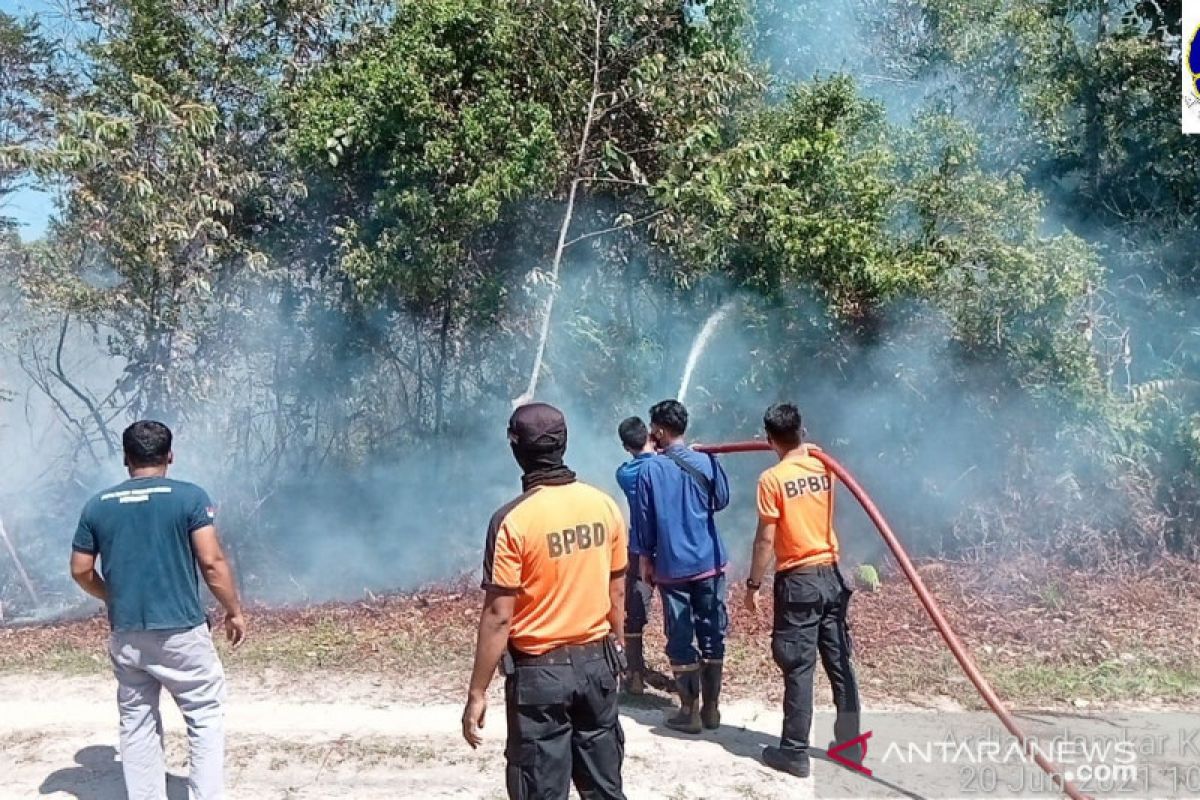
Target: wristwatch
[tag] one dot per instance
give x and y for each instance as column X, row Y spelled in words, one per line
column 752, row 585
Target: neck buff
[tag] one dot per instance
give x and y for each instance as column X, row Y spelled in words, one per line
column 547, row 476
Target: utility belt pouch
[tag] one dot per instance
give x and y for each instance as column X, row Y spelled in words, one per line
column 615, row 655
column 847, row 586
column 508, row 667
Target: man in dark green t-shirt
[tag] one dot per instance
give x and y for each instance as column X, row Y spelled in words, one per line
column 155, row 538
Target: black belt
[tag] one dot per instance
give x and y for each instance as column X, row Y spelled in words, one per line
column 565, row 654
column 814, row 569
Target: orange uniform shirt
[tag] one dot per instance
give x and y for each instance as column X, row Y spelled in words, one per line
column 797, row 496
column 556, row 548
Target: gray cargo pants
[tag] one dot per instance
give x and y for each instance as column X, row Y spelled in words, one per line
column 185, row 662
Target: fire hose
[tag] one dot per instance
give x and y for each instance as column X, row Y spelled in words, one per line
column 955, row 644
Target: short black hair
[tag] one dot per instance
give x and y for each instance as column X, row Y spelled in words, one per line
column 671, row 416
column 783, row 424
column 146, row 443
column 633, row 433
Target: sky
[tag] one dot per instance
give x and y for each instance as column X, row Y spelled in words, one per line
column 30, row 207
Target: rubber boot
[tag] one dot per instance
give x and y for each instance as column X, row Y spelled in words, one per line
column 688, row 718
column 792, row 763
column 710, row 690
column 635, row 678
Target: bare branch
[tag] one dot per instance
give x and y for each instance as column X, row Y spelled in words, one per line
column 61, row 376
column 615, row 228
column 623, row 181
column 36, row 375
column 556, row 265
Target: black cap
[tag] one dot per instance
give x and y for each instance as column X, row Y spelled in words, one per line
column 537, row 427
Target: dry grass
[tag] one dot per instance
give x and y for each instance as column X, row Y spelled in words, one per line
column 1043, row 634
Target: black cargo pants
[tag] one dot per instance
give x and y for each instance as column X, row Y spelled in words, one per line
column 563, row 725
column 810, row 619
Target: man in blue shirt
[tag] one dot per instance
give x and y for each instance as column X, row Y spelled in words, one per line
column 680, row 550
column 155, row 538
column 635, row 438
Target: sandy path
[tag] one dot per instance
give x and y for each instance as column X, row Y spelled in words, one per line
column 58, row 738
column 303, row 736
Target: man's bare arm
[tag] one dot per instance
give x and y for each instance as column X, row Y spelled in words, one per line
column 616, row 614
column 218, row 575
column 83, row 570
column 494, row 625
column 764, row 550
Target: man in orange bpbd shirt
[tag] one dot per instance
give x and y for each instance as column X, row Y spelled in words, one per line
column 795, row 525
column 554, row 573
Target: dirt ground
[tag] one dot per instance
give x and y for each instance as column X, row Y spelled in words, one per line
column 355, row 739
column 301, row 737
column 362, row 699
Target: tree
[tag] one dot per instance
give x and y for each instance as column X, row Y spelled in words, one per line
column 172, row 183
column 329, row 234
column 462, row 120
column 27, row 77
column 1083, row 98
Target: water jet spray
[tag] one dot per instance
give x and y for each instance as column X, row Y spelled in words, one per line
column 698, row 345
column 957, row 648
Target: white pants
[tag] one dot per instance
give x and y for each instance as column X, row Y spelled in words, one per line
column 185, row 662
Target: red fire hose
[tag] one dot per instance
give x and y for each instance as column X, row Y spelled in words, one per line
column 931, row 607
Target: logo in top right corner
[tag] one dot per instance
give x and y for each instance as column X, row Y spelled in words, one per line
column 1190, row 68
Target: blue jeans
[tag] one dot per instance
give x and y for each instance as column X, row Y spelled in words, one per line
column 695, row 611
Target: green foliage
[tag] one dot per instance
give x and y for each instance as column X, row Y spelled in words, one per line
column 425, row 129
column 818, row 191
column 1015, row 295
column 27, row 71
column 1083, row 96
column 457, row 113
column 170, row 186
column 343, row 215
column 799, row 196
